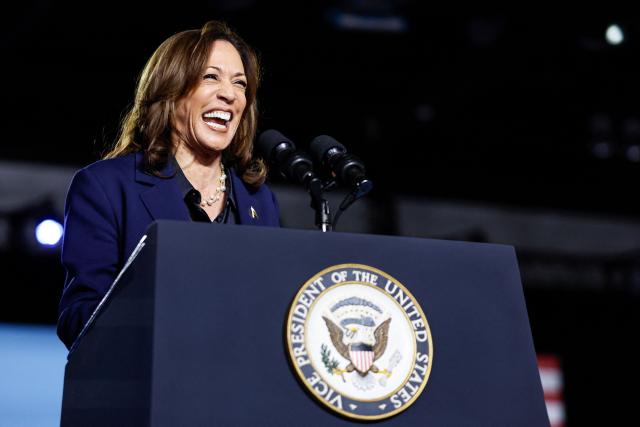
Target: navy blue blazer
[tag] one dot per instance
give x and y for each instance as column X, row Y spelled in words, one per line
column 109, row 206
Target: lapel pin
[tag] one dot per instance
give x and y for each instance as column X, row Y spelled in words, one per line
column 253, row 213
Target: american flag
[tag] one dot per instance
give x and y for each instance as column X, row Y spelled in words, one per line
column 552, row 386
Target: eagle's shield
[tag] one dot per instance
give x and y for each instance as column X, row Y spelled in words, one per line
column 361, row 356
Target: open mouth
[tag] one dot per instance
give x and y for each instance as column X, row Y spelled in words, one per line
column 217, row 119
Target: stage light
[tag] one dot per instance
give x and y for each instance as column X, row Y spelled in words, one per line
column 602, row 150
column 425, row 113
column 614, row 35
column 633, row 153
column 373, row 16
column 49, row 232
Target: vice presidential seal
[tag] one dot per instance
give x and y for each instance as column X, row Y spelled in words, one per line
column 359, row 341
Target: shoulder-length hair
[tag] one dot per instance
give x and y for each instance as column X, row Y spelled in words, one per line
column 172, row 72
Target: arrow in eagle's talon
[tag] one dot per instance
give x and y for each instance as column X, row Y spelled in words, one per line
column 385, row 373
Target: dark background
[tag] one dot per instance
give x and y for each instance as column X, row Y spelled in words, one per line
column 529, row 109
column 450, row 107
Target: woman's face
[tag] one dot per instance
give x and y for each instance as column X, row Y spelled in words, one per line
column 207, row 118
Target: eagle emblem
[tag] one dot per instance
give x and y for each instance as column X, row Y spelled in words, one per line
column 359, row 341
column 358, row 333
column 361, row 354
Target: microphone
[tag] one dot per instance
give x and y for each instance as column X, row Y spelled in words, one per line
column 294, row 164
column 347, row 168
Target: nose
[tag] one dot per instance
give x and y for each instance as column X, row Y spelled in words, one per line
column 226, row 93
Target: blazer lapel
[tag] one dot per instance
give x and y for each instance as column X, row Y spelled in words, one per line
column 248, row 209
column 162, row 199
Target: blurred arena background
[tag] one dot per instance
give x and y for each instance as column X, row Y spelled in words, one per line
column 514, row 128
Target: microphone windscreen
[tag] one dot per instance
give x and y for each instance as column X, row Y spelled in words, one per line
column 321, row 144
column 269, row 140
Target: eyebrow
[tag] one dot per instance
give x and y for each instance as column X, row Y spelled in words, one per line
column 238, row 74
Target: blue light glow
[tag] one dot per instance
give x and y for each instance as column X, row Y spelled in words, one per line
column 49, row 232
column 614, row 35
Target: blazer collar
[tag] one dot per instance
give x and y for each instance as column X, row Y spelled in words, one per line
column 162, row 198
column 144, row 177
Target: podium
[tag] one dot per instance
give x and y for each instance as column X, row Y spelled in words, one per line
column 193, row 331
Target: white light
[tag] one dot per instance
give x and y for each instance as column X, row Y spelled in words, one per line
column 614, row 35
column 48, row 232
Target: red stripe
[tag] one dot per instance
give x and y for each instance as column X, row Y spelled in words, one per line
column 362, row 359
column 548, row 361
column 550, row 395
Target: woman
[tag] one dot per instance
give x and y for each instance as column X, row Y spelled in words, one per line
column 184, row 152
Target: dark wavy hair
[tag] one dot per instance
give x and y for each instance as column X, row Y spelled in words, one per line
column 172, row 72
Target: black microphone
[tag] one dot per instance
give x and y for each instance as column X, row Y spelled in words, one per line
column 294, row 164
column 347, row 168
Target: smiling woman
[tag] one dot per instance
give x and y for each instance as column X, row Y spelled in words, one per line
column 184, row 152
column 189, row 71
column 206, row 120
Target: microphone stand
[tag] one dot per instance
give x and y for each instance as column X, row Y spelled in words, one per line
column 320, row 205
column 361, row 189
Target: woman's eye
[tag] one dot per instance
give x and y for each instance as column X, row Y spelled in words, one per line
column 241, row 83
column 210, row 76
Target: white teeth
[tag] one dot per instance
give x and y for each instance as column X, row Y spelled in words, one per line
column 216, row 125
column 224, row 115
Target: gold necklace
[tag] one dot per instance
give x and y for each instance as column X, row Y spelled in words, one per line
column 220, row 189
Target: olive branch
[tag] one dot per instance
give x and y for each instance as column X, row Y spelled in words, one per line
column 330, row 364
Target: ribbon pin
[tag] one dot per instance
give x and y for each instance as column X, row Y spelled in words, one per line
column 253, row 213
